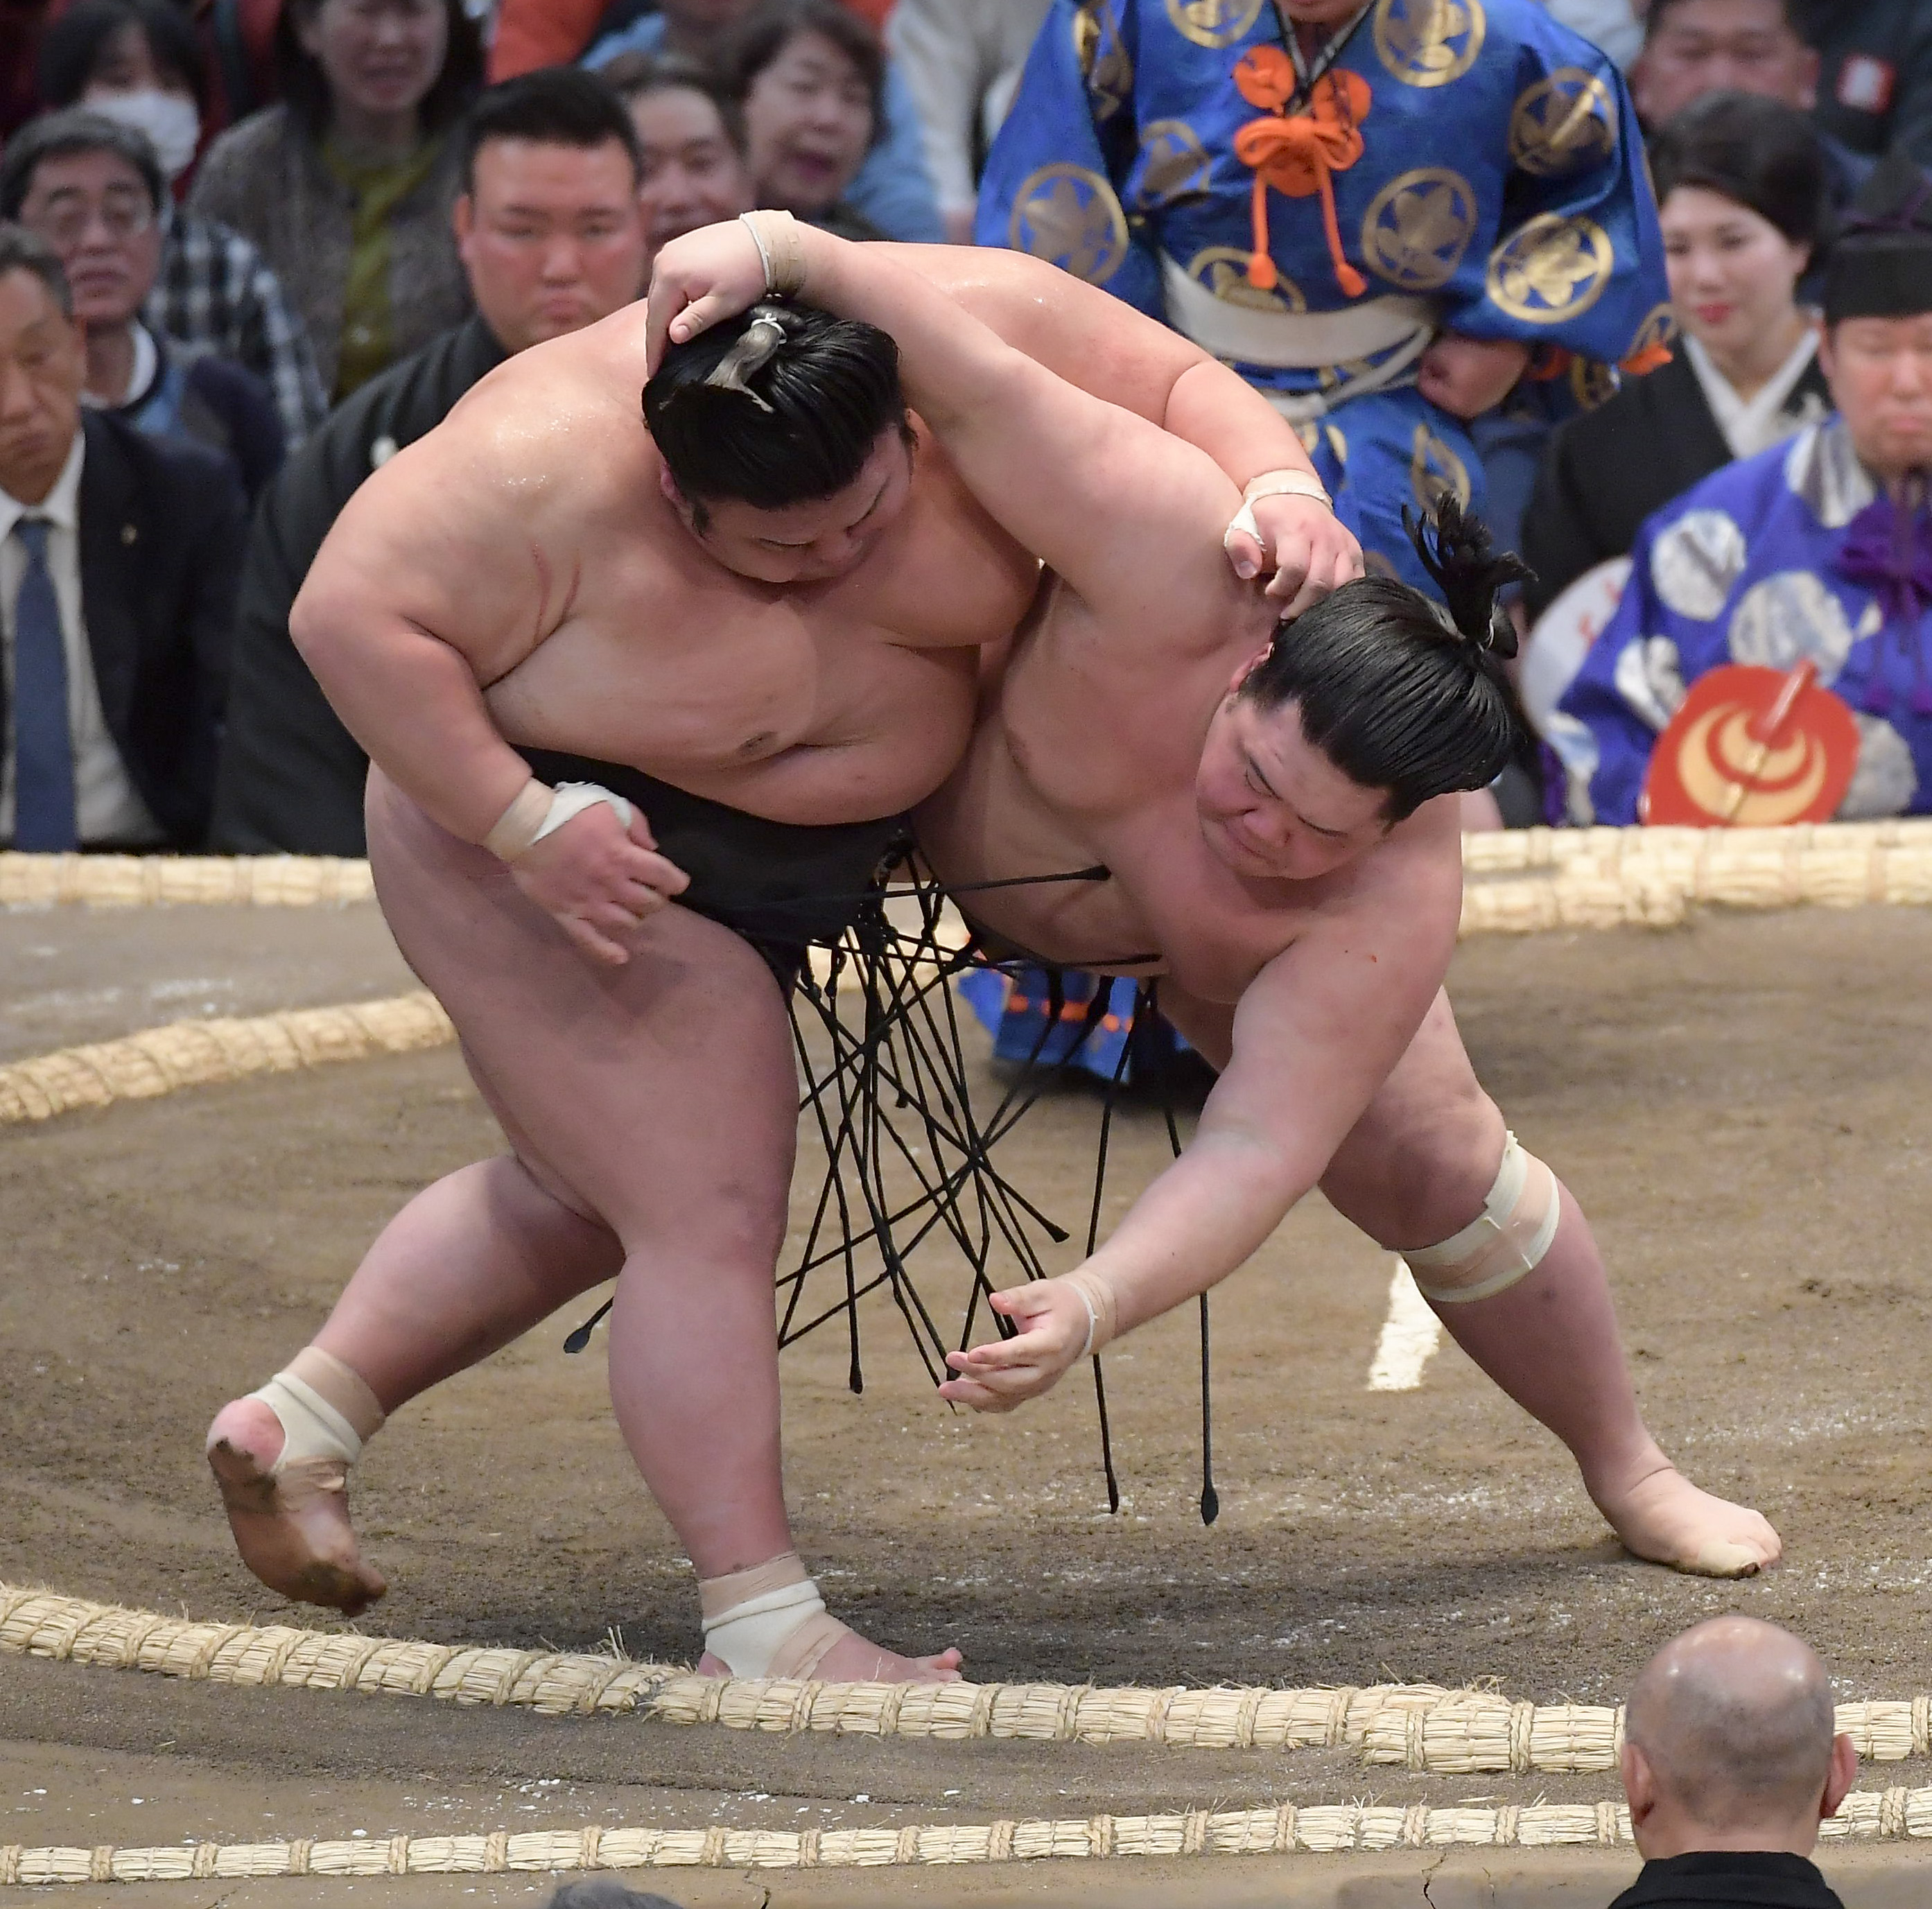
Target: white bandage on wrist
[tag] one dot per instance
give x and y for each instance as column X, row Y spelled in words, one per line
column 539, row 810
column 516, row 827
column 768, row 1621
column 1273, row 483
column 781, row 250
column 1102, row 1310
column 326, row 1411
column 1505, row 1242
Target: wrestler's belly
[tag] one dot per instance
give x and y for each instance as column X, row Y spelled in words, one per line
column 986, row 824
column 874, row 744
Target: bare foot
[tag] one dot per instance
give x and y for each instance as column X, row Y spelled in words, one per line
column 292, row 1531
column 1664, row 1517
column 852, row 1660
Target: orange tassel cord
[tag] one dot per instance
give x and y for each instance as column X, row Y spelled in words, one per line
column 1298, row 155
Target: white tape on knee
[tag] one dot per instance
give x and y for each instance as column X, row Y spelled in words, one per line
column 1505, row 1243
column 325, row 1410
column 768, row 1621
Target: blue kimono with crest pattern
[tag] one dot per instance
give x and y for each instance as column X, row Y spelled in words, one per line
column 1749, row 567
column 1502, row 178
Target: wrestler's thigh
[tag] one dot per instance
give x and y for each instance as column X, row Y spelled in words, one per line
column 663, row 1095
column 1418, row 1164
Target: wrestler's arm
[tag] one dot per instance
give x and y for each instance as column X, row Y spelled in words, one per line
column 427, row 588
column 1314, row 1036
column 1129, row 516
column 1113, row 352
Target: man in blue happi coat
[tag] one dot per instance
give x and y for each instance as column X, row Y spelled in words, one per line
column 1382, row 215
column 1819, row 548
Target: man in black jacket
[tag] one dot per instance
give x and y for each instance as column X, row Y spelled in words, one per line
column 118, row 558
column 1875, row 80
column 1730, row 1764
column 552, row 240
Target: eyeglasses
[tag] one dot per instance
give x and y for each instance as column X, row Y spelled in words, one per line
column 66, row 224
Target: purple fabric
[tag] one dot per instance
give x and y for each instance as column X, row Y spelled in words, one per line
column 1889, row 550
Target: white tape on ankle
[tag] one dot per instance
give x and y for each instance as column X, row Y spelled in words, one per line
column 312, row 1427
column 747, row 1637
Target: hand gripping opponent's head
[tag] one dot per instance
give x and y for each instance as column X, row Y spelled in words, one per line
column 1362, row 709
column 787, row 447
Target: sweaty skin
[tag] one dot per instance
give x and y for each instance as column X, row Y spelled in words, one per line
column 1303, row 943
column 526, row 573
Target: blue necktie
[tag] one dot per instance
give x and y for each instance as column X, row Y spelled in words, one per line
column 44, row 810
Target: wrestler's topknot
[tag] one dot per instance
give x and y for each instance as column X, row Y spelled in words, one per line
column 1457, row 550
column 1398, row 695
column 777, row 426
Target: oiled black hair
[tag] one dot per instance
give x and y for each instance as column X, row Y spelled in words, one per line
column 813, row 413
column 1394, row 696
column 1759, row 151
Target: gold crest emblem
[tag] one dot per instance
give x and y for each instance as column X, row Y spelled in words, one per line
column 1435, row 472
column 1660, row 327
column 1551, row 268
column 1223, row 269
column 1104, row 64
column 1174, row 163
column 1068, row 216
column 1591, row 383
column 1428, row 43
column 1215, row 23
column 1418, row 226
column 1565, row 121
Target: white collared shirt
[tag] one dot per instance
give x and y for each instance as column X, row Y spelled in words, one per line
column 107, row 809
column 147, row 362
column 1754, row 424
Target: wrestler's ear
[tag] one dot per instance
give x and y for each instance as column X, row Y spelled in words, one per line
column 463, row 219
column 1248, row 669
column 675, row 498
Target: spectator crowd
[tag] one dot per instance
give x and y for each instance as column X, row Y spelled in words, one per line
column 249, row 249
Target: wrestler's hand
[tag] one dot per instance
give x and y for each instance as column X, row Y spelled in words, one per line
column 1310, row 550
column 713, row 273
column 1053, row 1322
column 599, row 879
column 1467, row 377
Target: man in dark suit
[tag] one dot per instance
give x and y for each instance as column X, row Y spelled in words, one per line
column 1730, row 1763
column 552, row 240
column 119, row 555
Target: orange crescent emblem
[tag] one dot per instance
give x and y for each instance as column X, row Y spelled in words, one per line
column 1752, row 748
column 1716, row 772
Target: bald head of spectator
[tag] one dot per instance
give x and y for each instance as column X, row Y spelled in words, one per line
column 1728, row 1743
column 1693, row 47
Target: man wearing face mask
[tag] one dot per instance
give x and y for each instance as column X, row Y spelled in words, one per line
column 552, row 240
column 138, row 62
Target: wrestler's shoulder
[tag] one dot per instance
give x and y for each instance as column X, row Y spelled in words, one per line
column 1009, row 291
column 544, row 430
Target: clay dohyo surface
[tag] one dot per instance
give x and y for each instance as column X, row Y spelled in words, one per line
column 1740, row 1106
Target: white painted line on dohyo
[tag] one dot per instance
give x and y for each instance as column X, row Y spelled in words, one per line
column 1410, row 1336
